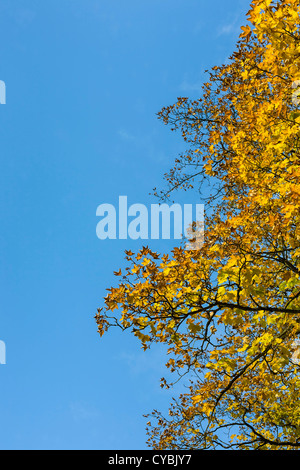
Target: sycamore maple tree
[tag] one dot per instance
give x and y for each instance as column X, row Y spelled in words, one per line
column 229, row 312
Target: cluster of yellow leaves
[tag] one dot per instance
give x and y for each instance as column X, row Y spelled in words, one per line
column 230, row 312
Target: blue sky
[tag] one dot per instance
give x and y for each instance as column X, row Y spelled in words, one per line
column 84, row 81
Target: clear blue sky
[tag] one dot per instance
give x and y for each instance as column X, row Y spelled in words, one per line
column 85, row 79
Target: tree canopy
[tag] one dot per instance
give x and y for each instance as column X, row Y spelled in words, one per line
column 229, row 312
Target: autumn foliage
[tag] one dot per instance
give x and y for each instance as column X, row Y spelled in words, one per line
column 229, row 313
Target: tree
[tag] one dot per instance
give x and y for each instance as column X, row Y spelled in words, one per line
column 229, row 312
